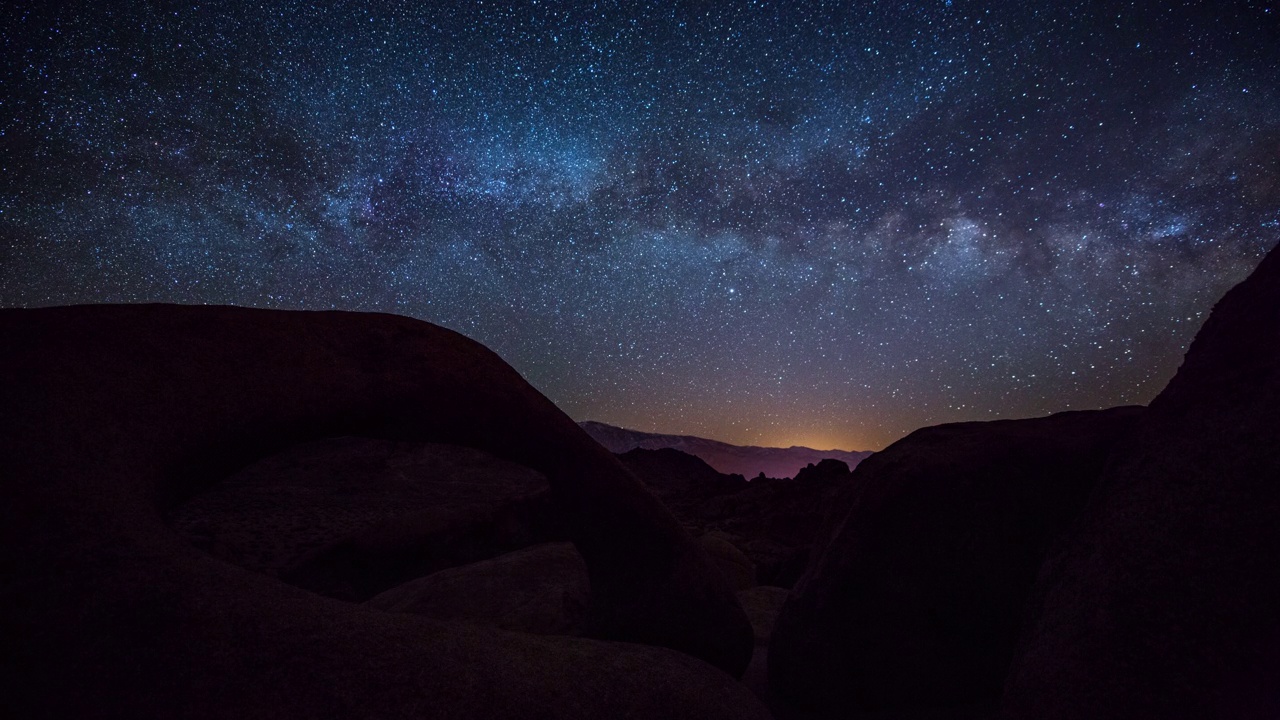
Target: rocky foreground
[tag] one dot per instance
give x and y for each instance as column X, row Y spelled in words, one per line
column 221, row 512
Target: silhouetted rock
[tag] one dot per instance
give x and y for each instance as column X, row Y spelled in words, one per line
column 115, row 414
column 678, row 475
column 771, row 520
column 779, row 519
column 733, row 563
column 744, row 460
column 827, row 469
column 351, row 517
column 541, row 589
column 1166, row 602
column 917, row 599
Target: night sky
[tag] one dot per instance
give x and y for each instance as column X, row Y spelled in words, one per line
column 773, row 223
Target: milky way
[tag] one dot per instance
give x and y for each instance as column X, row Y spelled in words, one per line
column 761, row 222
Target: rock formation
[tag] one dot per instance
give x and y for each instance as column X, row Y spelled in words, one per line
column 771, row 520
column 351, row 517
column 736, row 567
column 916, row 600
column 542, row 589
column 678, row 477
column 1165, row 602
column 115, row 414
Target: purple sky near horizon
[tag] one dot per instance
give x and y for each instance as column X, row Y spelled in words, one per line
column 819, row 224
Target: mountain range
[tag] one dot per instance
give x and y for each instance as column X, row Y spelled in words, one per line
column 746, row 460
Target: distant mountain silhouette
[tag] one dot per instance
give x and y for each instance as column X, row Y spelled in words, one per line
column 746, row 460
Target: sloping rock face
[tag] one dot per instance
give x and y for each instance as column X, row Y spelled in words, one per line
column 733, row 563
column 1166, row 603
column 351, row 517
column 918, row 598
column 542, row 589
column 114, row 414
column 679, row 476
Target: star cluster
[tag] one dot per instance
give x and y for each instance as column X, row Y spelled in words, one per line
column 763, row 222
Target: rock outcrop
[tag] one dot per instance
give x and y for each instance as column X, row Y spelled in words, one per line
column 1164, row 603
column 351, row 517
column 115, row 414
column 917, row 599
column 736, row 567
column 542, row 589
column 679, row 477
column 771, row 520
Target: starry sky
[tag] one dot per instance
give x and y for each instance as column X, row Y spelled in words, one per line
column 772, row 223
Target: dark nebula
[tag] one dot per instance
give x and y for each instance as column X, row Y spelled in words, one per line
column 762, row 222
